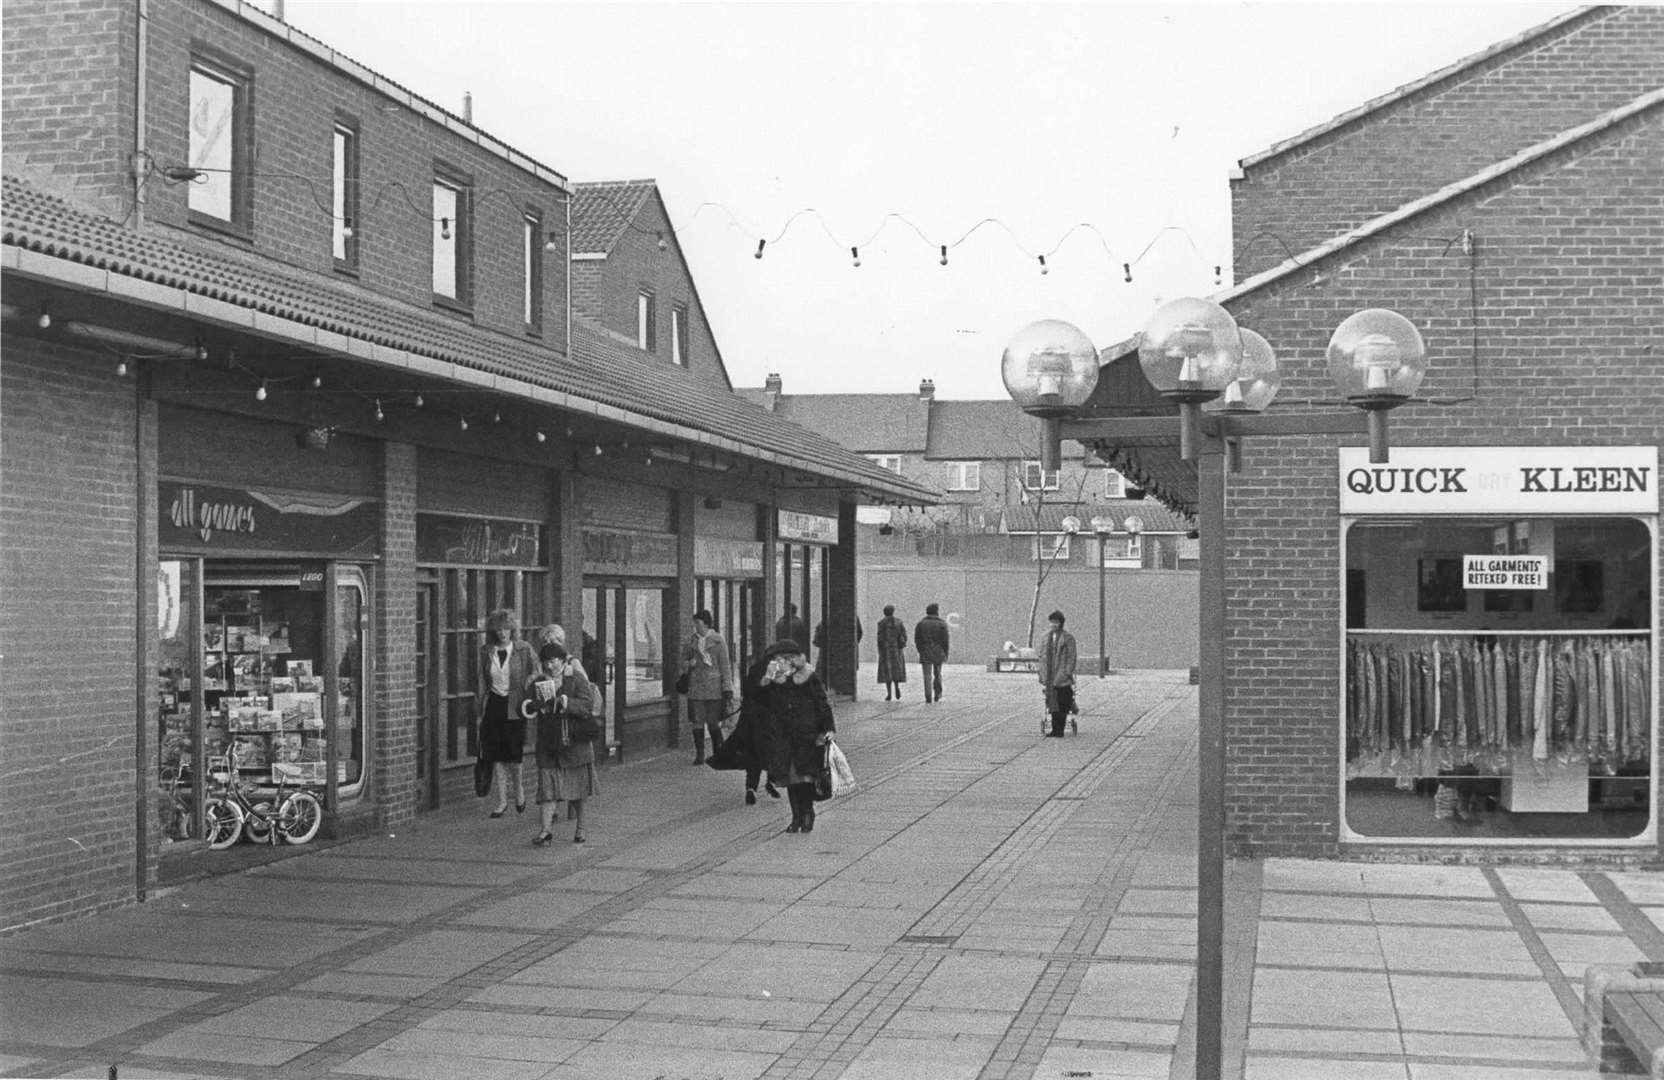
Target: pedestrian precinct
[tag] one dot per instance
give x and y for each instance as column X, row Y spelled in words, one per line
column 891, row 636
column 791, row 722
column 561, row 700
column 506, row 665
column 930, row 637
column 710, row 687
column 1057, row 673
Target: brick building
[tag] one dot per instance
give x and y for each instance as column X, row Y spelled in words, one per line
column 1382, row 691
column 293, row 396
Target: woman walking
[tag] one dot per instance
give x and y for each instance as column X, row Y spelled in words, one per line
column 790, row 722
column 710, row 682
column 506, row 664
column 561, row 700
column 892, row 662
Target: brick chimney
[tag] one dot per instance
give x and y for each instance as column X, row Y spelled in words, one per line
column 927, row 390
column 772, row 389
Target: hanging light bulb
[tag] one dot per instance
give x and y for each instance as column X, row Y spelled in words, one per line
column 496, row 416
column 260, row 394
column 419, row 400
column 1218, row 277
column 1126, row 270
column 542, row 437
column 663, row 245
column 944, row 259
column 317, row 381
column 550, row 246
column 462, row 423
column 597, row 449
column 1044, row 269
column 346, row 228
column 855, row 254
column 380, row 416
column 44, row 320
column 201, row 350
column 759, row 253
column 121, row 367
column 444, row 228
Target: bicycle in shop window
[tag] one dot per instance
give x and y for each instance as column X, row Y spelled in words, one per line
column 294, row 814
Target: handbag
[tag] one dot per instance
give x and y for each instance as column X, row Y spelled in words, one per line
column 482, row 777
column 682, row 683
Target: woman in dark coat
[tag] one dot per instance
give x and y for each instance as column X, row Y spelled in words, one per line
column 892, row 662
column 506, row 664
column 788, row 721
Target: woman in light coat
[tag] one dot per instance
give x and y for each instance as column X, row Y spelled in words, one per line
column 892, row 661
column 506, row 664
column 710, row 682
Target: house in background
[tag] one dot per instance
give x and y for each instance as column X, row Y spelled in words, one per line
column 1005, row 529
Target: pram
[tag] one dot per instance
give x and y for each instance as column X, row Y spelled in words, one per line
column 1046, row 718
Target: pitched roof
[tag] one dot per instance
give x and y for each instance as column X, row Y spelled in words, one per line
column 602, row 211
column 43, row 238
column 985, row 431
column 1410, row 89
column 866, row 423
column 1156, row 517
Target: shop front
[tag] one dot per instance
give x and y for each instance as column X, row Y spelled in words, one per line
column 801, row 568
column 1499, row 646
column 262, row 597
column 728, row 575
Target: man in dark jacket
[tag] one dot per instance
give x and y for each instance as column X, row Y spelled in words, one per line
column 930, row 637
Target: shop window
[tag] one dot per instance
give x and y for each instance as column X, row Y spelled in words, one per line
column 1037, row 479
column 344, row 195
column 964, row 476
column 679, row 334
column 464, row 597
column 219, row 135
column 643, row 640
column 1498, row 680
column 178, row 723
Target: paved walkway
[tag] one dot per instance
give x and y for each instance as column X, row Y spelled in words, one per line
column 989, row 905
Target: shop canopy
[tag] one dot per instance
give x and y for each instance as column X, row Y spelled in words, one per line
column 603, row 380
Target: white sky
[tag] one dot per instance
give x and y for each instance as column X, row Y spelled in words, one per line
column 1127, row 117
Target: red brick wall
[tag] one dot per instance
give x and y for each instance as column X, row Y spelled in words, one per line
column 68, row 560
column 1445, row 132
column 393, row 750
column 1562, row 349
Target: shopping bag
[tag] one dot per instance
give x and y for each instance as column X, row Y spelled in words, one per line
column 843, row 777
column 482, row 778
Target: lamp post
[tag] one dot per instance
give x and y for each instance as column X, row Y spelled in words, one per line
column 1193, row 352
column 1102, row 527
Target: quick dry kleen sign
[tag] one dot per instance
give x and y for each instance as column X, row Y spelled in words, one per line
column 1505, row 571
column 1534, row 480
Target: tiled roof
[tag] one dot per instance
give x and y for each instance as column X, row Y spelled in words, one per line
column 866, row 423
column 1156, row 517
column 44, row 237
column 985, row 431
column 602, row 211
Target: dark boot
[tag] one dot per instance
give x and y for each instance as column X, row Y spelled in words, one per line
column 796, row 798
column 715, row 729
column 699, row 746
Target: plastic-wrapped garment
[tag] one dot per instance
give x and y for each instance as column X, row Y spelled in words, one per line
column 1563, row 696
column 1464, row 679
column 1608, row 700
column 1499, row 697
column 1539, row 702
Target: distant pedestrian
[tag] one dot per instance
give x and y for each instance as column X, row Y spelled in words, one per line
column 930, row 637
column 506, row 663
column 790, row 722
column 710, row 682
column 792, row 627
column 891, row 636
column 1057, row 673
column 564, row 705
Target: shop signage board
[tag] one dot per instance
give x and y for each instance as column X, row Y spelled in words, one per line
column 1520, row 480
column 801, row 528
column 714, row 556
column 220, row 520
column 1505, row 571
column 624, row 553
column 478, row 541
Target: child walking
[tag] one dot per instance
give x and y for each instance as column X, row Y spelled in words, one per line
column 563, row 703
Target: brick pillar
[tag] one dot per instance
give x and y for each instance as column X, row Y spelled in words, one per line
column 395, row 716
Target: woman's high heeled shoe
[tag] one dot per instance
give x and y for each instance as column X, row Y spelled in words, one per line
column 543, row 839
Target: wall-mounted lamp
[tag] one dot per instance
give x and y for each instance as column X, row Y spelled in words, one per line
column 1050, row 369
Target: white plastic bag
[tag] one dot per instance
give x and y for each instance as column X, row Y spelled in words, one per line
column 843, row 778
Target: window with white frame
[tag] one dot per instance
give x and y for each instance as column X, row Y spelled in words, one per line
column 1115, row 485
column 218, row 136
column 964, row 476
column 531, row 254
column 887, row 461
column 344, row 194
column 679, row 334
column 1037, row 479
column 646, row 317
column 450, row 239
column 1124, row 551
column 1050, row 546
